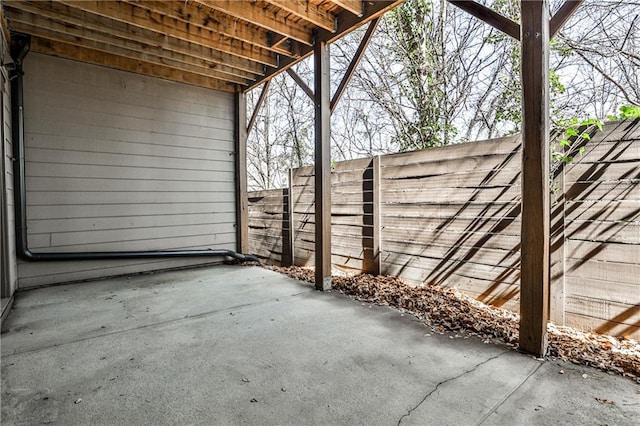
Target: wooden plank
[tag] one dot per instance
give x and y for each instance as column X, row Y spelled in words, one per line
column 562, row 16
column 354, row 6
column 618, row 210
column 240, row 127
column 611, row 151
column 322, row 91
column 460, row 179
column 362, row 47
column 372, row 221
column 608, row 232
column 604, row 309
column 490, row 17
column 604, row 271
column 448, row 256
column 256, row 109
column 498, row 222
column 612, row 328
column 147, row 20
column 605, row 252
column 58, row 32
column 607, row 291
column 557, row 254
column 604, row 191
column 208, row 20
column 346, row 24
column 602, row 172
column 301, row 83
column 288, row 239
column 313, row 14
column 446, row 211
column 119, row 27
column 478, row 239
column 535, row 177
column 261, row 17
column 82, row 54
column 491, row 164
column 453, row 195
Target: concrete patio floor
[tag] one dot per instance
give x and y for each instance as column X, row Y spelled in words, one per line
column 244, row 345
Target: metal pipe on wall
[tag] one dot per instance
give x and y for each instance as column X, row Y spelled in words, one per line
column 20, row 44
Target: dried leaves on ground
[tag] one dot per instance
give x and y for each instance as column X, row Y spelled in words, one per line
column 446, row 309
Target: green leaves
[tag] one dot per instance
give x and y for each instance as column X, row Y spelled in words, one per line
column 629, row 112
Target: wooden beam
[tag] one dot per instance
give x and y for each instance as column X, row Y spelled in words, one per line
column 199, row 16
column 83, row 54
column 347, row 22
column 534, row 287
column 107, row 44
column 563, row 14
column 123, row 31
column 242, row 201
column 354, row 63
column 490, row 17
column 301, row 83
column 322, row 167
column 146, row 19
column 371, row 262
column 252, row 13
column 261, row 98
column 305, row 10
column 353, row 6
column 288, row 244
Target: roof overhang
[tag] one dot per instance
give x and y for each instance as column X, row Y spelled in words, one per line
column 226, row 45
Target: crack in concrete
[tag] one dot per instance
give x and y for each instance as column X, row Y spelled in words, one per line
column 411, row 410
column 507, row 396
column 157, row 323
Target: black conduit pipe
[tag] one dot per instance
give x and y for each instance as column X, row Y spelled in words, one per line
column 20, row 44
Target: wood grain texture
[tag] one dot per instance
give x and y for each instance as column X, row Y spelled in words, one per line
column 462, row 228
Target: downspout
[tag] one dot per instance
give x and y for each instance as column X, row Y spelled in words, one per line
column 20, row 44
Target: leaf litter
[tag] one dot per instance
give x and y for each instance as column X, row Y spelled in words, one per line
column 448, row 310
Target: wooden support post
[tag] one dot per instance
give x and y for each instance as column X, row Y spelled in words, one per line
column 563, row 14
column 490, row 17
column 371, row 217
column 288, row 255
column 534, row 287
column 557, row 251
column 256, row 110
column 354, row 64
column 301, row 83
column 242, row 202
column 322, row 166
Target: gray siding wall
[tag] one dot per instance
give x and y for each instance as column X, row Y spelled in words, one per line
column 118, row 161
column 7, row 245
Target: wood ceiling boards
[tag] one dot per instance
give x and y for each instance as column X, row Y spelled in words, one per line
column 227, row 45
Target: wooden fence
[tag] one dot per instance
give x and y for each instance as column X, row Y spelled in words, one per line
column 451, row 216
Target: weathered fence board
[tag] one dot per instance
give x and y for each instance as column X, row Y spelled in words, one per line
column 451, row 216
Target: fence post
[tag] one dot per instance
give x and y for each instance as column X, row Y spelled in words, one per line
column 371, row 217
column 557, row 249
column 288, row 255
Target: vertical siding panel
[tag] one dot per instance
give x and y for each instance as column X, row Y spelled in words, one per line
column 105, row 147
column 8, row 250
